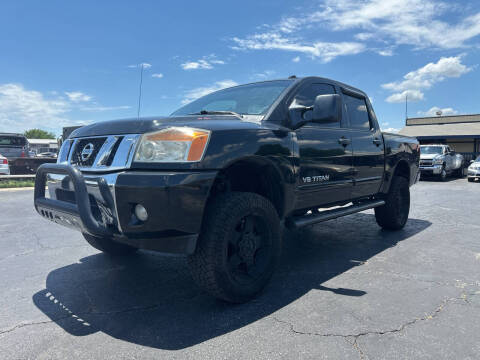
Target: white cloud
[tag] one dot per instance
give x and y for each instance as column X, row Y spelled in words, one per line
column 204, row 63
column 157, row 75
column 425, row 77
column 296, row 59
column 413, row 96
column 202, row 91
column 264, row 75
column 411, row 22
column 326, row 51
column 145, row 65
column 193, row 65
column 380, row 26
column 364, row 36
column 21, row 109
column 104, row 108
column 385, row 52
column 77, row 96
column 434, row 110
column 391, row 130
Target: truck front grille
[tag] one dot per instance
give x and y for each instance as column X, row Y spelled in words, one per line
column 100, row 153
column 87, row 159
column 426, row 162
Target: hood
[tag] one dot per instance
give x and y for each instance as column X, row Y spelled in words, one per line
column 149, row 124
column 429, row 156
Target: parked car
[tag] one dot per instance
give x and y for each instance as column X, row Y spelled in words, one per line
column 218, row 178
column 474, row 170
column 4, row 168
column 13, row 145
column 440, row 161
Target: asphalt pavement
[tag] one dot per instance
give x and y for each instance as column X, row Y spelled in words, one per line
column 345, row 289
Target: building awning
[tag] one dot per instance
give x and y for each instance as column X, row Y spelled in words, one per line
column 444, row 131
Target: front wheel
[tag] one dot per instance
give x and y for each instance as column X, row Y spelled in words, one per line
column 394, row 214
column 239, row 247
column 443, row 174
column 109, row 246
column 470, row 179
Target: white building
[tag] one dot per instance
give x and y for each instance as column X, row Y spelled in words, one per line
column 43, row 145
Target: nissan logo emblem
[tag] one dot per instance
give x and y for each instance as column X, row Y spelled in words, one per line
column 87, row 151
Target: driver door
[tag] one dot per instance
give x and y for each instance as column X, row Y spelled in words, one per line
column 325, row 155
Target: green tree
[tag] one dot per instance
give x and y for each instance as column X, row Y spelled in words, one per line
column 38, row 134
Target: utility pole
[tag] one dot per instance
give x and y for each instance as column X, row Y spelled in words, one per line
column 406, row 108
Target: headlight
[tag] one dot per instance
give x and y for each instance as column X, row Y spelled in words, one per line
column 438, row 161
column 174, row 144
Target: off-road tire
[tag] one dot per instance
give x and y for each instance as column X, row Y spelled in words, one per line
column 210, row 265
column 394, row 214
column 109, row 246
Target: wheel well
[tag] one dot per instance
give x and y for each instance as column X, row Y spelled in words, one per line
column 254, row 176
column 402, row 170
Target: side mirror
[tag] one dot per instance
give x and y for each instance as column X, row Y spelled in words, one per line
column 472, row 161
column 327, row 108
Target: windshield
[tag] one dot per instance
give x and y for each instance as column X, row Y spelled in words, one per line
column 477, row 159
column 251, row 99
column 431, row 150
column 12, row 140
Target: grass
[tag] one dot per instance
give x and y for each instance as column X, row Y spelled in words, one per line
column 4, row 184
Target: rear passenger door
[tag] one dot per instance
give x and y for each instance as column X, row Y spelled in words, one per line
column 325, row 154
column 367, row 141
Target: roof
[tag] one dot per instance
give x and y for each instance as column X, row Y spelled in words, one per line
column 444, row 119
column 11, row 134
column 42, row 141
column 464, row 129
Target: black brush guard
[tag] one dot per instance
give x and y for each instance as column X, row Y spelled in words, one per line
column 79, row 214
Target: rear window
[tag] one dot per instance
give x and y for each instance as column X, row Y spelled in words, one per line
column 357, row 112
column 12, row 140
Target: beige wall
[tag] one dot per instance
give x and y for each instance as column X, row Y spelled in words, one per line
column 463, row 146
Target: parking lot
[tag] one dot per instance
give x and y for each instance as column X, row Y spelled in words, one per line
column 344, row 289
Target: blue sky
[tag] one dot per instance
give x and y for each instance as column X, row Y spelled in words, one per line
column 66, row 63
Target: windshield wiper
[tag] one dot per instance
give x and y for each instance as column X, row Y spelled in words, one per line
column 217, row 112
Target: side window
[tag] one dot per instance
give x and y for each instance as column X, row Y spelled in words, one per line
column 357, row 112
column 306, row 97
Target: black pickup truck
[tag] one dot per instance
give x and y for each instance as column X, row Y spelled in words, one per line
column 220, row 178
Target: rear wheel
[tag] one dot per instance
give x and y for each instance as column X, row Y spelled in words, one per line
column 394, row 214
column 471, row 179
column 459, row 172
column 239, row 247
column 109, row 246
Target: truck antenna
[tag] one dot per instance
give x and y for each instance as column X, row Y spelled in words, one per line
column 140, row 91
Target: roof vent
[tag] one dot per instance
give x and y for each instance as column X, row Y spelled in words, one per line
column 292, row 77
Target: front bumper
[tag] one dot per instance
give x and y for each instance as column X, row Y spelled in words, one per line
column 431, row 170
column 473, row 174
column 103, row 205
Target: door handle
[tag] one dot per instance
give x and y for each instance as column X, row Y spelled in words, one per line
column 377, row 141
column 344, row 141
